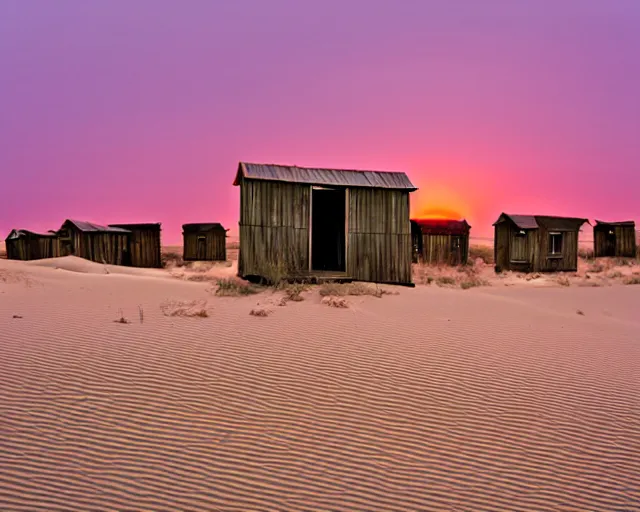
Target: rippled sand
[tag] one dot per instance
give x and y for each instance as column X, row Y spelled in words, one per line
column 433, row 399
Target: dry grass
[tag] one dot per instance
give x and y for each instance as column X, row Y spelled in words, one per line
column 445, row 281
column 472, row 282
column 586, row 254
column 260, row 312
column 335, row 302
column 563, row 281
column 615, row 274
column 121, row 319
column 293, row 292
column 633, row 279
column 355, row 289
column 194, row 308
column 172, row 259
column 484, row 252
column 596, row 268
column 234, row 287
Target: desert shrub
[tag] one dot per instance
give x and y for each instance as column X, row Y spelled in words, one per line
column 194, row 308
column 484, row 252
column 445, row 281
column 615, row 274
column 261, row 312
column 633, row 279
column 172, row 259
column 335, row 302
column 472, row 282
column 233, row 287
column 293, row 292
column 586, row 254
column 356, row 289
column 596, row 268
column 563, row 281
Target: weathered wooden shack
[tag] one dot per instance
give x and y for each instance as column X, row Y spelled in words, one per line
column 440, row 241
column 23, row 244
column 299, row 222
column 102, row 244
column 614, row 239
column 204, row 242
column 536, row 243
column 144, row 248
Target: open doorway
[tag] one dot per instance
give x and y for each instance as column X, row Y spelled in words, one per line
column 201, row 248
column 328, row 229
column 610, row 243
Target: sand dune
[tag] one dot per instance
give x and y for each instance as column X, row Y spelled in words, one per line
column 493, row 398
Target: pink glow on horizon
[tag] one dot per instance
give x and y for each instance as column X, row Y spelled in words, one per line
column 140, row 111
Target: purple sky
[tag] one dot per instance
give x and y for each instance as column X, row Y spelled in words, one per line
column 139, row 110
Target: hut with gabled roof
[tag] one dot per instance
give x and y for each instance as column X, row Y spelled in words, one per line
column 536, row 243
column 144, row 247
column 438, row 241
column 204, row 241
column 102, row 244
column 324, row 223
column 22, row 244
column 614, row 239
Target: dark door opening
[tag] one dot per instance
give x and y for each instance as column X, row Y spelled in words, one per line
column 201, row 249
column 328, row 230
column 610, row 244
column 456, row 250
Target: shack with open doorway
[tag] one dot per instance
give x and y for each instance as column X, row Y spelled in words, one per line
column 143, row 244
column 298, row 222
column 440, row 241
column 102, row 244
column 23, row 244
column 536, row 243
column 614, row 239
column 204, row 242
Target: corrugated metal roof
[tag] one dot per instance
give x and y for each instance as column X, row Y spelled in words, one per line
column 89, row 227
column 442, row 226
column 334, row 177
column 548, row 221
column 202, row 227
column 17, row 233
column 624, row 223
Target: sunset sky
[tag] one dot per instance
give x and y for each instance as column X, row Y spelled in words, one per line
column 139, row 110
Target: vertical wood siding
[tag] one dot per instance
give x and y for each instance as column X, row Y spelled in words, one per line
column 32, row 248
column 274, row 227
column 144, row 248
column 380, row 244
column 215, row 243
column 438, row 249
column 625, row 241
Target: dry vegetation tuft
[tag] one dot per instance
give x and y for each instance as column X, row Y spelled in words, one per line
column 563, row 281
column 260, row 311
column 335, row 302
column 632, row 279
column 483, row 252
column 235, row 287
column 121, row 319
column 596, row 268
column 355, row 289
column 193, row 308
column 293, row 292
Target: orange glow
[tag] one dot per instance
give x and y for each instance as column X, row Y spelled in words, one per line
column 439, row 213
column 438, row 201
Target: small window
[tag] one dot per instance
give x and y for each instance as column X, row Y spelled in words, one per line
column 555, row 244
column 521, row 232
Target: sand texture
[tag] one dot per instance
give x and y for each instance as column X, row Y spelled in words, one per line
column 142, row 390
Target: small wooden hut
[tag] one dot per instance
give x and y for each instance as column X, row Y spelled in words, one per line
column 440, row 241
column 324, row 223
column 144, row 247
column 102, row 244
column 536, row 243
column 614, row 239
column 22, row 244
column 204, row 242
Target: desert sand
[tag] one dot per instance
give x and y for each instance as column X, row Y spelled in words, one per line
column 132, row 389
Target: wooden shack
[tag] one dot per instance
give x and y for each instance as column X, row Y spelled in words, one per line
column 614, row 239
column 22, row 244
column 536, row 243
column 144, row 247
column 204, row 242
column 440, row 241
column 102, row 244
column 324, row 223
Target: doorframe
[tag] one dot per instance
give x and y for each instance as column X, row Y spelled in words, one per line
column 346, row 224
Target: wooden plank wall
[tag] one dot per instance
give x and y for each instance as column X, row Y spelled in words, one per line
column 274, row 227
column 438, row 249
column 107, row 248
column 380, row 244
column 625, row 241
column 215, row 246
column 32, row 248
column 569, row 259
column 144, row 248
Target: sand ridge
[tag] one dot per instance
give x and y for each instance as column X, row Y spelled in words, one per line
column 432, row 399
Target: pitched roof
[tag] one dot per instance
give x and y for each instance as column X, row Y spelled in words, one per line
column 625, row 223
column 17, row 233
column 140, row 225
column 442, row 226
column 314, row 176
column 202, row 227
column 547, row 221
column 90, row 227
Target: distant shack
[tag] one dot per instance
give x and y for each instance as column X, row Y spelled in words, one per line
column 440, row 241
column 204, row 242
column 22, row 244
column 312, row 223
column 102, row 244
column 536, row 243
column 614, row 239
column 144, row 247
